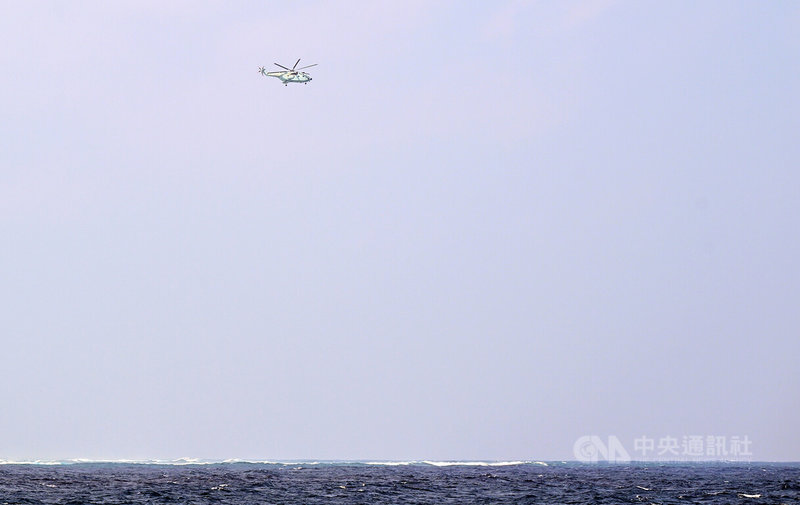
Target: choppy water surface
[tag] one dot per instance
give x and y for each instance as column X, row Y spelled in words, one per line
column 418, row 482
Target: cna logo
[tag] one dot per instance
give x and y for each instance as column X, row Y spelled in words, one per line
column 591, row 449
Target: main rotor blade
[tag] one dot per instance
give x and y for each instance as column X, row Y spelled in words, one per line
column 289, row 69
column 296, row 62
column 309, row 66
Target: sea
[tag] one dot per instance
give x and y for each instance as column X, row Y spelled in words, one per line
column 234, row 482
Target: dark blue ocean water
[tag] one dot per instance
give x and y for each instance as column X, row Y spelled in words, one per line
column 420, row 483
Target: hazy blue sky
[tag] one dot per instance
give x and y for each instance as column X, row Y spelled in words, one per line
column 484, row 230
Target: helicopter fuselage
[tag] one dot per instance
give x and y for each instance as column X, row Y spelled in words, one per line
column 287, row 77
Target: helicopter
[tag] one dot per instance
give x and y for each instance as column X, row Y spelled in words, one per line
column 288, row 75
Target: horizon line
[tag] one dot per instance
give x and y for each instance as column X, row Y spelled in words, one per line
column 186, row 461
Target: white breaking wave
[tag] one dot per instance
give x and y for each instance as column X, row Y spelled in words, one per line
column 475, row 463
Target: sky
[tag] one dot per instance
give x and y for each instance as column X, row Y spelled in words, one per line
column 484, row 229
